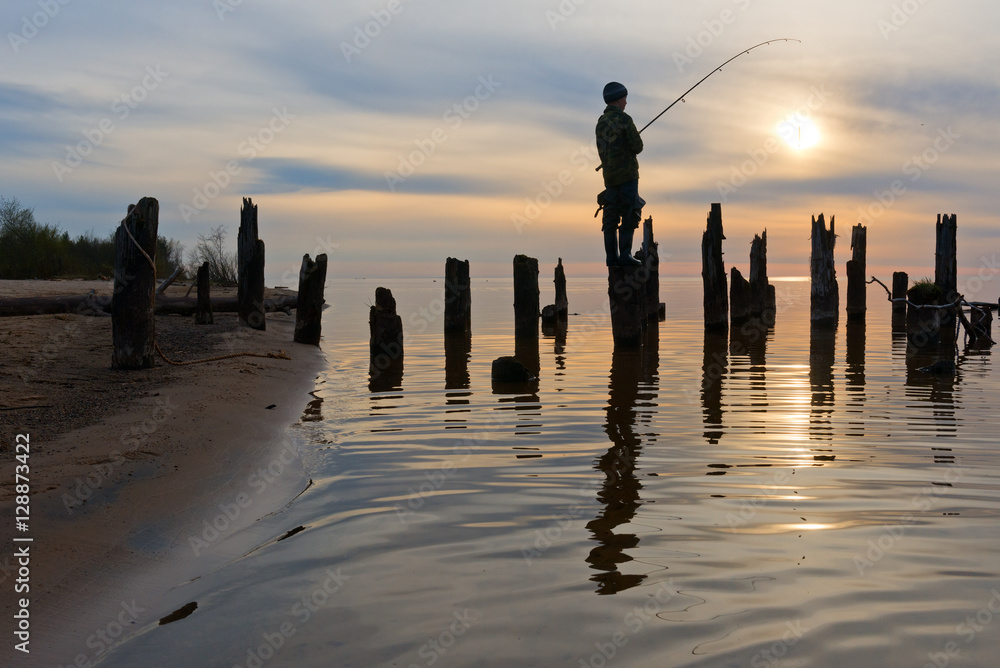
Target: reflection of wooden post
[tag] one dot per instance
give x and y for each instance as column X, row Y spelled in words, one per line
column 203, row 315
column 309, row 311
column 900, row 282
column 525, row 296
column 739, row 297
column 856, row 272
column 713, row 272
column 133, row 327
column 824, row 301
column 250, row 265
column 457, row 296
column 627, row 296
column 946, row 269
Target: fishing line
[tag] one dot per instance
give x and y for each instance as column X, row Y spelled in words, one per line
column 717, row 69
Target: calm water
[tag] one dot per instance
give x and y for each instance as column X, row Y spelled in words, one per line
column 785, row 498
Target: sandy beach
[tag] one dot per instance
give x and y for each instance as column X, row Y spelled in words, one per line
column 129, row 469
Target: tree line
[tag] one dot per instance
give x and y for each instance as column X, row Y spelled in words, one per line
column 33, row 250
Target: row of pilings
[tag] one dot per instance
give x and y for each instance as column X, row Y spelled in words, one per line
column 929, row 313
column 136, row 302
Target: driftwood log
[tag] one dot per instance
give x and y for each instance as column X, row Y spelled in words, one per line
column 133, row 327
column 713, row 272
column 250, row 268
column 98, row 305
column 309, row 314
column 824, row 298
column 170, row 279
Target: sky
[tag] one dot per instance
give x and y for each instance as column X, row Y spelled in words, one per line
column 392, row 134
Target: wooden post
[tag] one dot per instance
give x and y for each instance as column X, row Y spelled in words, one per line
column 923, row 325
column 900, row 282
column 559, row 311
column 758, row 275
column 525, row 296
column 562, row 303
column 203, row 315
column 713, row 272
column 946, row 269
column 651, row 258
column 386, row 329
column 627, row 297
column 739, row 297
column 824, row 300
column 250, row 266
column 309, row 313
column 856, row 273
column 133, row 326
column 982, row 323
column 457, row 296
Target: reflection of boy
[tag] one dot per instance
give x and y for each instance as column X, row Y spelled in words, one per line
column 618, row 142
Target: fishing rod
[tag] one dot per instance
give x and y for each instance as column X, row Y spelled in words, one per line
column 717, row 69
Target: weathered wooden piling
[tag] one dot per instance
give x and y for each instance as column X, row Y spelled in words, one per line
column 824, row 299
column 946, row 269
column 309, row 313
column 758, row 276
column 386, row 327
column 133, row 326
column 627, row 297
column 713, row 272
column 856, row 271
column 982, row 323
column 924, row 325
column 526, row 310
column 559, row 311
column 650, row 256
column 203, row 314
column 457, row 296
column 250, row 268
column 739, row 297
column 900, row 282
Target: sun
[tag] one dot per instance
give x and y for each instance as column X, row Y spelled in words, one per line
column 799, row 132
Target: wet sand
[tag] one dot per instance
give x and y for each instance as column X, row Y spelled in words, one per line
column 130, row 470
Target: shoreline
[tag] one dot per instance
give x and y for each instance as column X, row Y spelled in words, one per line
column 124, row 498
